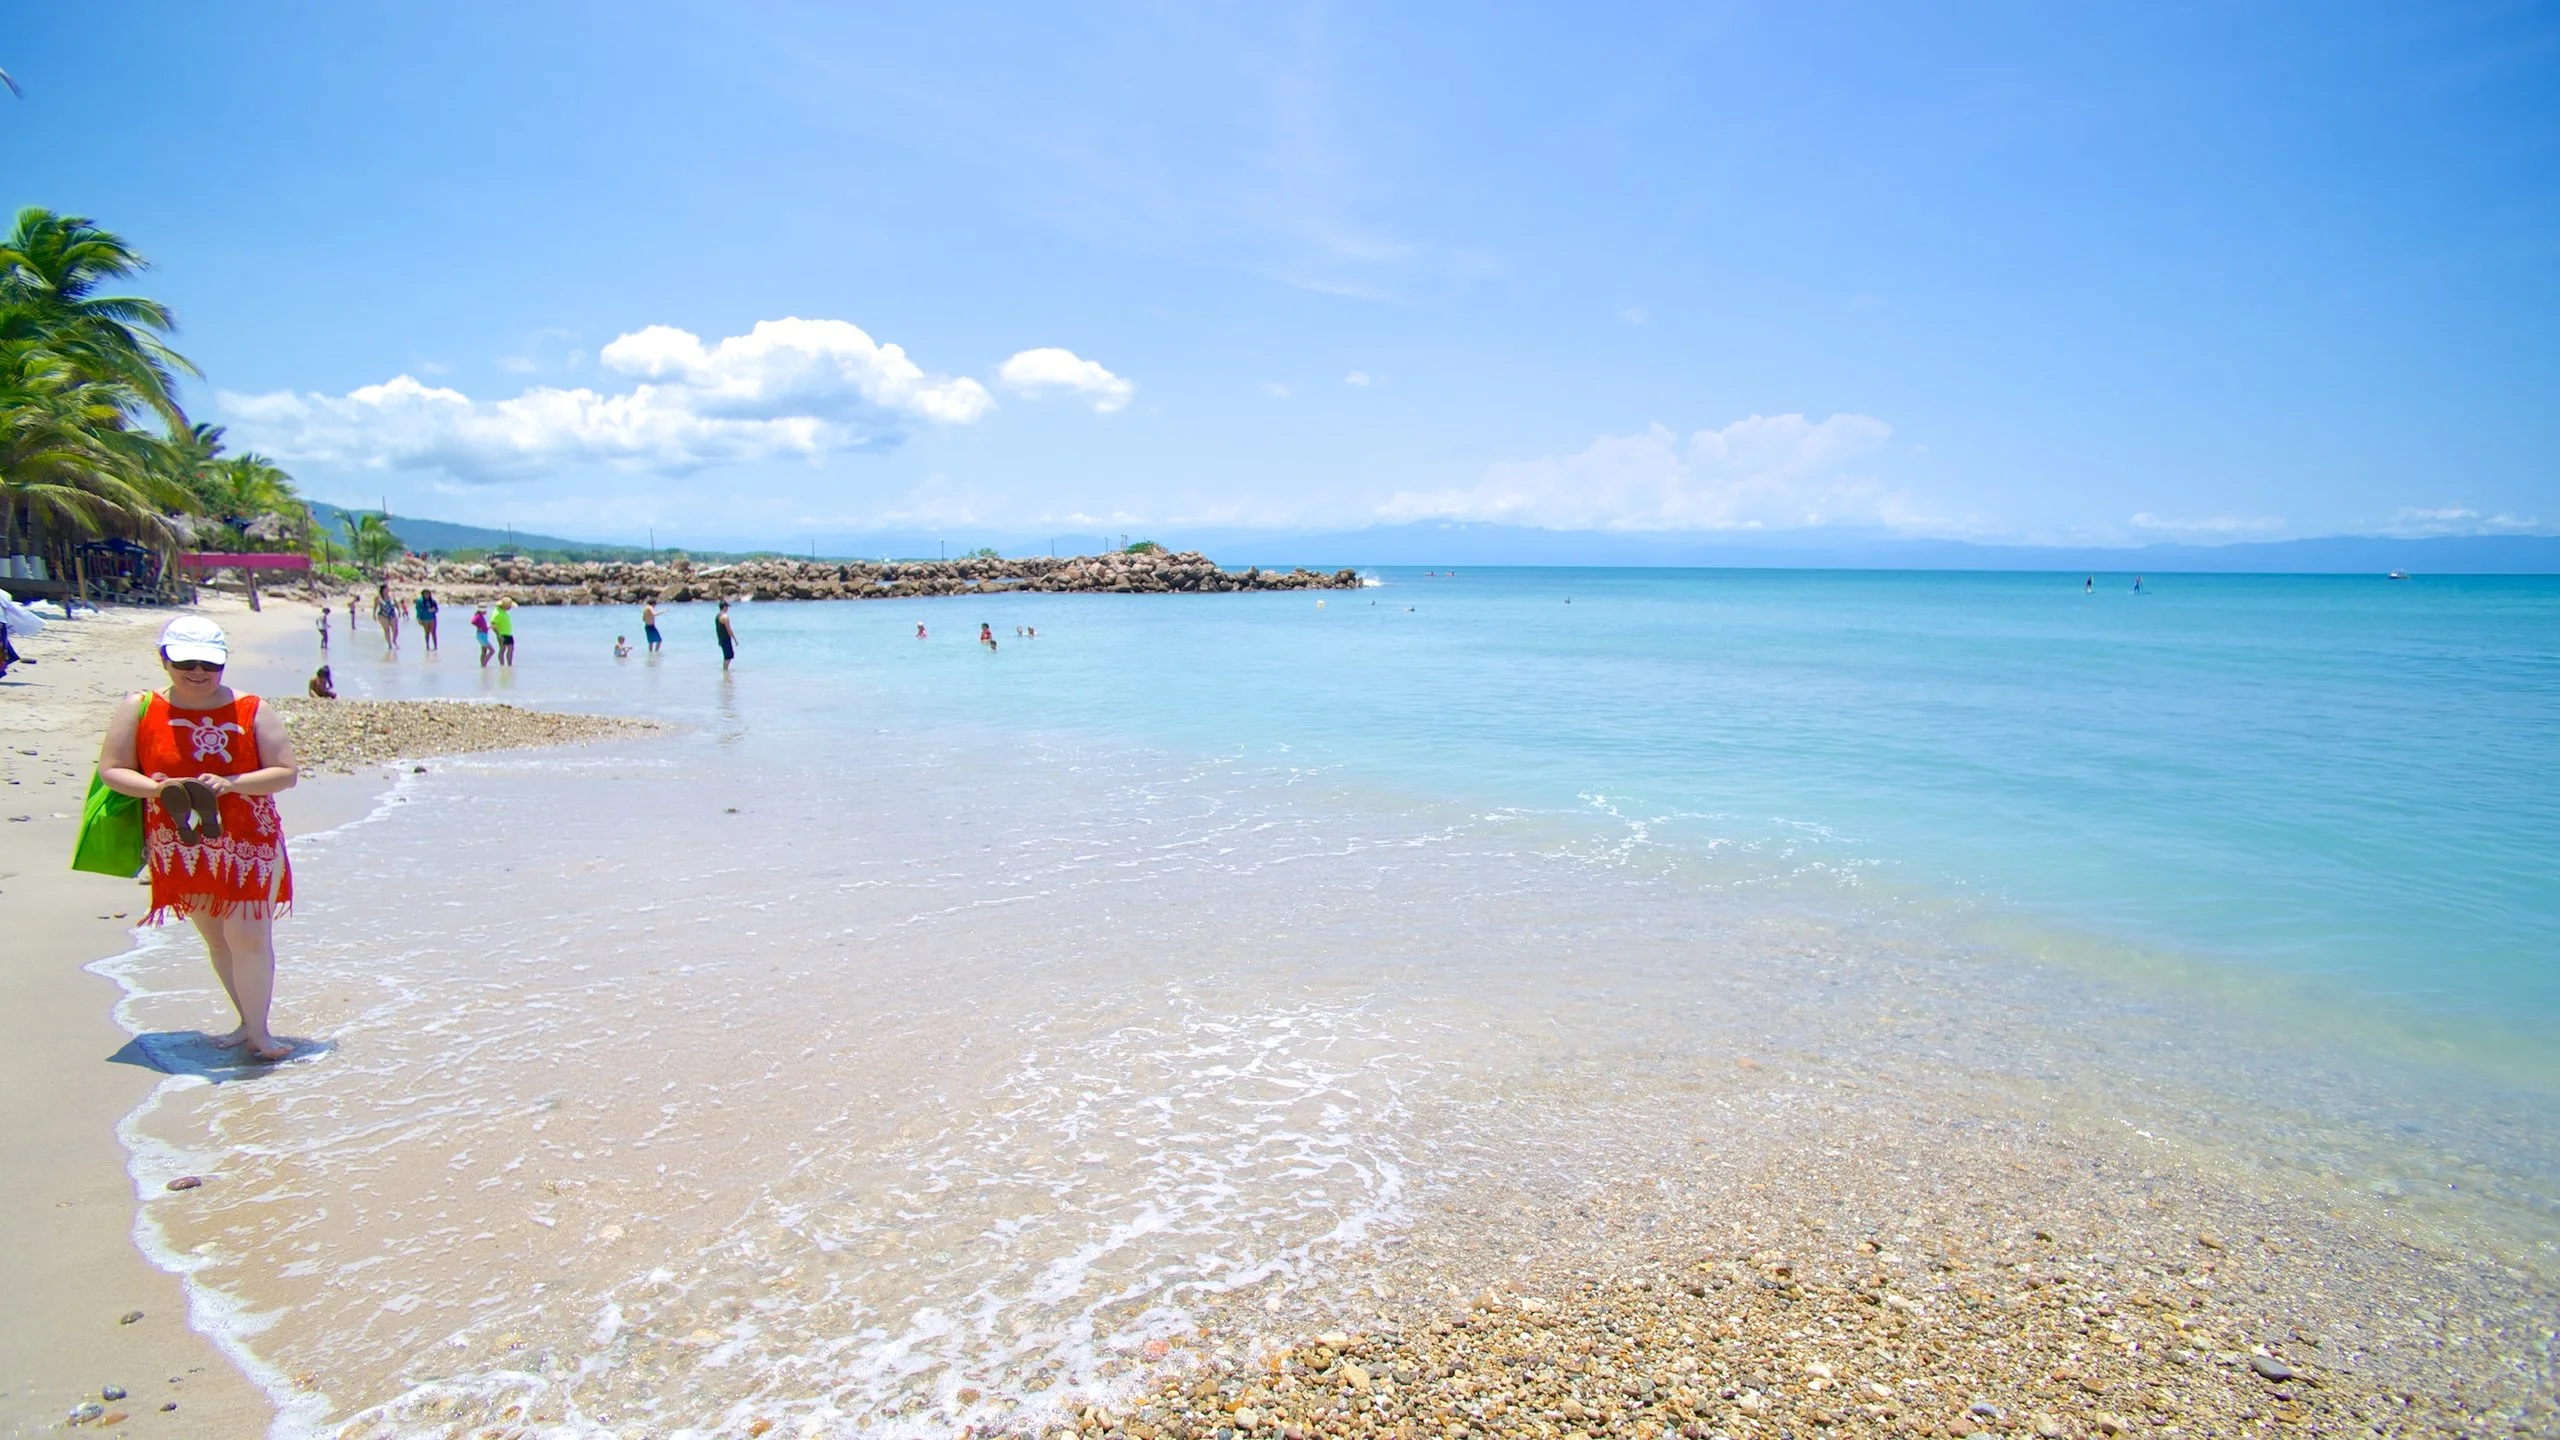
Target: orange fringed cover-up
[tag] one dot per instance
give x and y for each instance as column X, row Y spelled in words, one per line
column 243, row 873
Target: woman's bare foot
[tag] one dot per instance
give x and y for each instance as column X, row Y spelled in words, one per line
column 268, row 1047
column 232, row 1040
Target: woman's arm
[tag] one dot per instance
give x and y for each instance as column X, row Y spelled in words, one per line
column 275, row 746
column 116, row 757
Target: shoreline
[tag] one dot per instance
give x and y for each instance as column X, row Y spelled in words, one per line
column 74, row 1268
column 1950, row 1174
column 73, row 1260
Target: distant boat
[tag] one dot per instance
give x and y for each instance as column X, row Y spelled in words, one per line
column 2397, row 575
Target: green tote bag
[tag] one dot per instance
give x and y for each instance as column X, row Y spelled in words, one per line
column 110, row 840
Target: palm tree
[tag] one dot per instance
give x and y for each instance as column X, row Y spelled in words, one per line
column 51, row 267
column 369, row 538
column 188, row 457
column 66, row 456
column 79, row 373
column 247, row 490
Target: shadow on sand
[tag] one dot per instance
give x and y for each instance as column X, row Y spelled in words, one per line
column 192, row 1052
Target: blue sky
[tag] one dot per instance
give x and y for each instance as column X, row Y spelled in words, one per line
column 2033, row 272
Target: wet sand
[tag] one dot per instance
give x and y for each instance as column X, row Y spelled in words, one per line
column 1931, row 1285
column 865, row 1243
column 68, row 1261
column 67, row 1257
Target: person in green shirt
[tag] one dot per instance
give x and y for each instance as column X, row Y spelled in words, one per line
column 502, row 623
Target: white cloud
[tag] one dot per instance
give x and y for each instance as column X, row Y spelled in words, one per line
column 1764, row 472
column 2458, row 520
column 1635, row 315
column 1038, row 372
column 819, row 368
column 1277, row 389
column 2210, row 525
column 786, row 388
column 1358, row 377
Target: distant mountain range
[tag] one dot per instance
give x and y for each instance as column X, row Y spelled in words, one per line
column 1467, row 544
column 443, row 537
column 1452, row 543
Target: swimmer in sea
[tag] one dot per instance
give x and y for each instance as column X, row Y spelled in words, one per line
column 919, row 629
column 987, row 636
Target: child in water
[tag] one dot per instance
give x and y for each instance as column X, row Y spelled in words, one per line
column 322, row 687
column 621, row 647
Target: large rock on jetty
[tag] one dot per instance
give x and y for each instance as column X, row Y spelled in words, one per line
column 631, row 582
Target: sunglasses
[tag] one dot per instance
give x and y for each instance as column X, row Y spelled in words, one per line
column 196, row 666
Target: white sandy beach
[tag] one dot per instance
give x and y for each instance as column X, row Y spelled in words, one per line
column 71, row 1267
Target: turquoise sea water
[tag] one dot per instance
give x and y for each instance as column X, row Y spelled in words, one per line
column 2348, row 784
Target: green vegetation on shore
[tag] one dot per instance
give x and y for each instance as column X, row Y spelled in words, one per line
column 96, row 452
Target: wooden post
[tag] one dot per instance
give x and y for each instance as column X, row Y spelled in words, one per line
column 249, row 573
column 80, row 571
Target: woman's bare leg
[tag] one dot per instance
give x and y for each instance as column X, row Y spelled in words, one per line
column 252, row 940
column 217, row 948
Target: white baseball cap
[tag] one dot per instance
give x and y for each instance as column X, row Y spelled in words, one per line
column 193, row 637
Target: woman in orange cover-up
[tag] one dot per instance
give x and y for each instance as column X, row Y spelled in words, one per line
column 209, row 761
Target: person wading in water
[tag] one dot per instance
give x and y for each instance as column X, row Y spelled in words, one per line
column 209, row 762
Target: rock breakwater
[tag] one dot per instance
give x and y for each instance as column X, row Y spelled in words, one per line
column 343, row 734
column 666, row 582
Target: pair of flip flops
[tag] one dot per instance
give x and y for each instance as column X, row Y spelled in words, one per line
column 194, row 808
